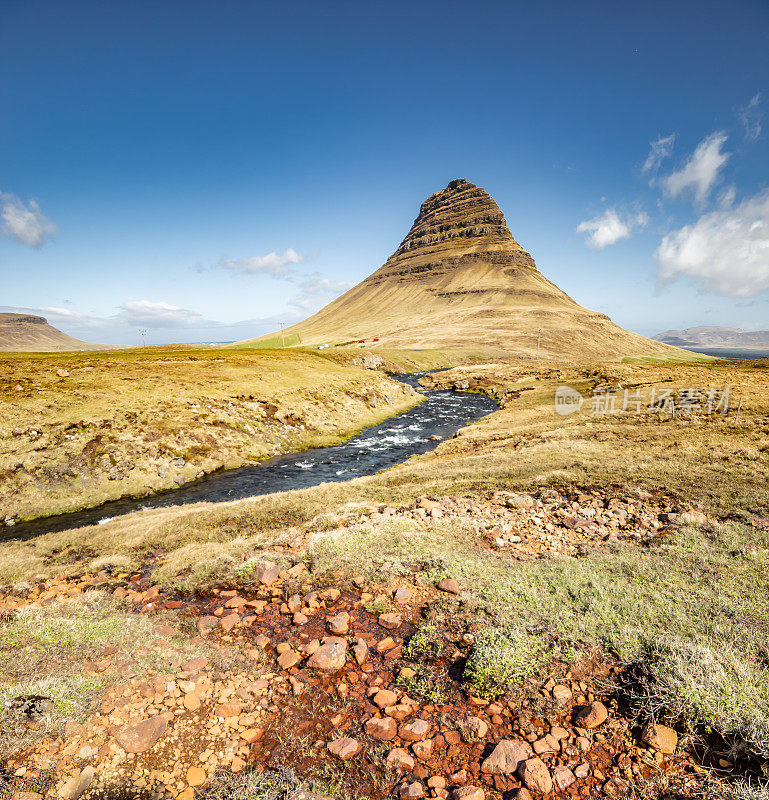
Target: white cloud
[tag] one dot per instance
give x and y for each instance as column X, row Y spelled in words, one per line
column 274, row 264
column 660, row 149
column 25, row 223
column 316, row 292
column 145, row 313
column 700, row 172
column 725, row 251
column 751, row 117
column 610, row 227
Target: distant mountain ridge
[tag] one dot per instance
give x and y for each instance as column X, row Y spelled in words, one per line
column 714, row 336
column 28, row 333
column 459, row 279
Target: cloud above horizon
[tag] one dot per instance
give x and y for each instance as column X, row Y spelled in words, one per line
column 148, row 314
column 660, row 149
column 701, row 171
column 25, row 223
column 751, row 117
column 316, row 292
column 725, row 251
column 275, row 264
column 610, row 227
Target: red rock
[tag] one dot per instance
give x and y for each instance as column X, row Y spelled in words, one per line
column 412, row 791
column 229, row 622
column 423, row 749
column 390, row 621
column 382, row 728
column 252, row 735
column 661, row 738
column 141, row 736
column 76, row 785
column 344, row 748
column 563, row 777
column 340, row 623
column 469, row 793
column 384, row 698
column 196, row 776
column 330, row 656
column 449, row 585
column 228, row 710
column 288, row 659
column 414, row 731
column 235, row 602
column 195, row 664
column 592, row 716
column 547, row 744
column 506, row 757
column 266, row 572
column 400, row 759
column 536, row 776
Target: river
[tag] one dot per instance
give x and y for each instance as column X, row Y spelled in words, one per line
column 391, row 442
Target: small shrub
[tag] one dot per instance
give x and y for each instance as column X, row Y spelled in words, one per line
column 424, row 686
column 376, row 607
column 425, row 645
column 502, row 658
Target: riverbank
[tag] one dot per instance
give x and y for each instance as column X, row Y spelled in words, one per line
column 81, row 429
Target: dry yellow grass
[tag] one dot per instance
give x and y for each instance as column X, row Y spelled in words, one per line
column 79, row 429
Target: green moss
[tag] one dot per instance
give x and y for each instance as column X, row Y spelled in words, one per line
column 502, row 658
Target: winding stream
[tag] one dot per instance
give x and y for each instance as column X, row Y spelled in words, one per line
column 391, row 442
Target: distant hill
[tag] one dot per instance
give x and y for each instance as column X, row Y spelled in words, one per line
column 30, row 333
column 715, row 336
column 459, row 279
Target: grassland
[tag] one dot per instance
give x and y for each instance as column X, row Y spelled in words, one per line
column 687, row 617
column 79, row 429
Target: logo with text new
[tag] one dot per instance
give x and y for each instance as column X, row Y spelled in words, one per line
column 567, row 400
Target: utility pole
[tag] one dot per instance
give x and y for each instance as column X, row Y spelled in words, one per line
column 539, row 338
column 143, row 334
column 282, row 334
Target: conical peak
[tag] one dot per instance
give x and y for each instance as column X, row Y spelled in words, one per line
column 459, row 217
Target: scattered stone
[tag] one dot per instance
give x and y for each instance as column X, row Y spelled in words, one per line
column 469, row 792
column 414, row 731
column 196, row 776
column 563, row 777
column 340, row 624
column 330, row 656
column 384, row 698
column 535, row 774
column 402, row 595
column 661, row 738
column 591, row 716
column 400, row 759
column 77, row 784
column 506, row 757
column 390, row 621
column 141, row 736
column 449, row 585
column 562, row 694
column 344, row 748
column 288, row 659
column 382, row 728
column 266, row 572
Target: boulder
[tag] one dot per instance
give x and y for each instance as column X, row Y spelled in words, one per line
column 591, row 716
column 330, row 656
column 141, row 736
column 506, row 757
column 535, row 774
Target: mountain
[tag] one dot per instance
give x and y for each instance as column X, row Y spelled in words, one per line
column 715, row 336
column 30, row 333
column 459, row 279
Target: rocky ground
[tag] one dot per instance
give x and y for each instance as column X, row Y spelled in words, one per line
column 357, row 688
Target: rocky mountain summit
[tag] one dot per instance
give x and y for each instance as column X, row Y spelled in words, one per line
column 460, row 279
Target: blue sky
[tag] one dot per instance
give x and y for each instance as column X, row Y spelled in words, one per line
column 207, row 170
